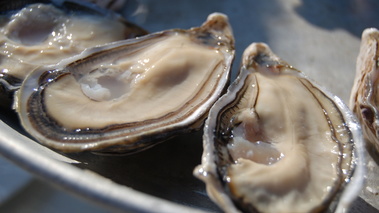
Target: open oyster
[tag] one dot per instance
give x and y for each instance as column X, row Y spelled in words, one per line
column 364, row 100
column 276, row 142
column 127, row 95
column 45, row 33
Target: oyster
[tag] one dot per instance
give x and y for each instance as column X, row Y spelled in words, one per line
column 276, row 142
column 42, row 34
column 125, row 96
column 364, row 100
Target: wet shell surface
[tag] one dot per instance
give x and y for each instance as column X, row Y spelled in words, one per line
column 126, row 96
column 364, row 100
column 40, row 34
column 278, row 142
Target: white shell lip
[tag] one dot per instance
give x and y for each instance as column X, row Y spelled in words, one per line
column 362, row 96
column 216, row 23
column 369, row 36
column 207, row 170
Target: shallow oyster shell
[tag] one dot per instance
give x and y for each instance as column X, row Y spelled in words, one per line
column 364, row 99
column 33, row 34
column 128, row 95
column 277, row 142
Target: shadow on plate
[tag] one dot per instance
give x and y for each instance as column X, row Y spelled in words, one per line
column 164, row 171
column 360, row 205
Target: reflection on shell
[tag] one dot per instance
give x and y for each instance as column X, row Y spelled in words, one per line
column 364, row 100
column 277, row 142
column 126, row 96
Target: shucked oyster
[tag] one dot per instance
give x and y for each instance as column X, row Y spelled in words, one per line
column 43, row 34
column 364, row 100
column 276, row 142
column 127, row 95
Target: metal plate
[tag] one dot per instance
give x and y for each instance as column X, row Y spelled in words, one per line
column 321, row 38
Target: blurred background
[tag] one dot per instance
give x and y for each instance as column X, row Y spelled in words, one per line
column 320, row 38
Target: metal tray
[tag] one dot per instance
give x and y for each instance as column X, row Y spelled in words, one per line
column 321, row 38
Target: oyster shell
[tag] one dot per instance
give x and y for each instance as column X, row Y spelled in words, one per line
column 364, row 100
column 125, row 96
column 45, row 33
column 277, row 142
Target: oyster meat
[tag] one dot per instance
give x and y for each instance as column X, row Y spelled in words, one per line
column 43, row 34
column 364, row 99
column 277, row 142
column 125, row 96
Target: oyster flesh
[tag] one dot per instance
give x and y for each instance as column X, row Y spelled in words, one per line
column 364, row 99
column 276, row 142
column 125, row 96
column 45, row 33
